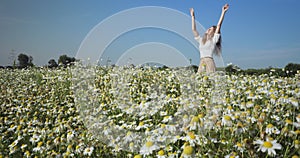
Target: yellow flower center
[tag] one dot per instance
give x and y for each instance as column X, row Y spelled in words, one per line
column 141, row 123
column 273, row 96
column 128, row 133
column 288, row 121
column 229, row 107
column 240, row 124
column 188, row 150
column 19, row 127
column 239, row 144
column 201, row 116
column 191, row 135
column 40, row 144
column 27, row 153
column 227, row 100
column 161, row 153
column 227, row 118
column 68, row 153
column 268, row 144
column 137, row 156
column 270, row 126
column 195, row 119
column 149, row 144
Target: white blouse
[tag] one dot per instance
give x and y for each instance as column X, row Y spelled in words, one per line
column 209, row 48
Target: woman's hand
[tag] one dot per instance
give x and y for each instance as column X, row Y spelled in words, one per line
column 225, row 8
column 196, row 34
column 192, row 12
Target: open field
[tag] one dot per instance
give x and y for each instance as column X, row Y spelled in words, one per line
column 133, row 112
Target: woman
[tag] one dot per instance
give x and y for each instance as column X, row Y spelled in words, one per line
column 210, row 43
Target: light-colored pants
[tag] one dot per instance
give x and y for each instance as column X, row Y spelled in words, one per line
column 207, row 64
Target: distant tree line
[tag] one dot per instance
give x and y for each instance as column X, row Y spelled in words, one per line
column 25, row 61
column 63, row 60
column 288, row 71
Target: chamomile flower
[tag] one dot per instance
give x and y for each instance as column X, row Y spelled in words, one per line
column 13, row 144
column 79, row 148
column 27, row 154
column 88, row 151
column 240, row 147
column 194, row 124
column 148, row 148
column 240, row 128
column 132, row 147
column 249, row 104
column 191, row 138
column 298, row 118
column 129, row 137
column 294, row 102
column 70, row 136
column 23, row 146
column 142, row 125
column 172, row 155
column 39, row 147
column 288, row 122
column 161, row 154
column 297, row 124
column 35, row 138
column 227, row 120
column 272, row 129
column 232, row 155
column 175, row 138
column 187, row 151
column 161, row 138
column 268, row 145
column 296, row 144
column 167, row 119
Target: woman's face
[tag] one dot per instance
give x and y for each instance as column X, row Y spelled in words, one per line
column 210, row 31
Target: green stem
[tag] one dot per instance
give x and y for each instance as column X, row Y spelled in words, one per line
column 286, row 151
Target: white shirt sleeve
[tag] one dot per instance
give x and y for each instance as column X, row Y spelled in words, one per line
column 216, row 37
column 198, row 38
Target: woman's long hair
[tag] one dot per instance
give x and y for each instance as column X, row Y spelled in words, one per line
column 218, row 44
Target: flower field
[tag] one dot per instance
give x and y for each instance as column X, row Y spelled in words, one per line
column 147, row 112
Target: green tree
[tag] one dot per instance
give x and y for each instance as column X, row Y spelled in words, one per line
column 291, row 69
column 65, row 60
column 52, row 63
column 232, row 69
column 25, row 60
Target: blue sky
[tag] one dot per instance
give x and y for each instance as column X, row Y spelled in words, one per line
column 256, row 34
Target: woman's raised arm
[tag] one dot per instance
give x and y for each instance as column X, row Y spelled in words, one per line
column 195, row 32
column 224, row 10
